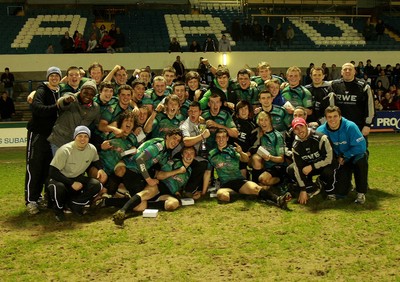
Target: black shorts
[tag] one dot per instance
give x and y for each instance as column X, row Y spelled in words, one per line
column 242, row 165
column 164, row 190
column 235, row 185
column 277, row 171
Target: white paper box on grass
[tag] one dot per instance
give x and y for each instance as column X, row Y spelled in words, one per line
column 187, row 201
column 150, row 213
column 263, row 152
column 213, row 195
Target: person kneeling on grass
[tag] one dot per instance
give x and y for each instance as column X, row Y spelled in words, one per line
column 67, row 184
column 350, row 148
column 225, row 159
column 312, row 155
column 172, row 177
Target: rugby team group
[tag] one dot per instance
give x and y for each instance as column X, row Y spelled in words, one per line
column 149, row 141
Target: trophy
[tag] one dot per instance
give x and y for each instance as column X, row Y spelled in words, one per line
column 203, row 148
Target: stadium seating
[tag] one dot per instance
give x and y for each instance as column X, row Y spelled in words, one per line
column 33, row 32
column 150, row 30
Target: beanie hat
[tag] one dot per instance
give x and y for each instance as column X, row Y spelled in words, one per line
column 81, row 129
column 52, row 70
column 90, row 84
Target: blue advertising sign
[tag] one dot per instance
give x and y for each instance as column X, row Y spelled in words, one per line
column 387, row 120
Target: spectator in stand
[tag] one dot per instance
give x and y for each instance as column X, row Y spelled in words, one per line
column 289, row 35
column 379, row 94
column 397, row 98
column 92, row 43
column 75, row 35
column 209, row 45
column 107, row 41
column 383, row 79
column 367, row 79
column 369, row 31
column 7, row 108
column 103, row 30
column 380, row 30
column 179, row 69
column 95, row 30
column 257, row 31
column 50, row 49
column 112, row 31
column 279, row 35
column 79, row 43
column 325, row 69
column 7, row 78
column 224, row 44
column 308, row 74
column 174, row 46
column 194, row 47
column 388, row 71
column 368, row 68
column 119, row 43
column 378, row 105
column 360, row 70
column 334, row 73
column 247, row 30
column 388, row 102
column 236, row 30
column 396, row 75
column 268, row 34
column 203, row 70
column 377, row 70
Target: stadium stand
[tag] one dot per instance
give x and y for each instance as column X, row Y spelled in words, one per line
column 151, row 30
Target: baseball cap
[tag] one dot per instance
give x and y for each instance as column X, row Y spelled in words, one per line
column 81, row 129
column 298, row 121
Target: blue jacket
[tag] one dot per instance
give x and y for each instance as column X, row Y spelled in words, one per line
column 347, row 140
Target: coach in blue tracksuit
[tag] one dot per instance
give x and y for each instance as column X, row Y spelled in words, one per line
column 350, row 149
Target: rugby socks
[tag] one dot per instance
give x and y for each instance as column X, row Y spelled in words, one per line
column 113, row 183
column 115, row 202
column 133, row 202
column 160, row 205
column 255, row 175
